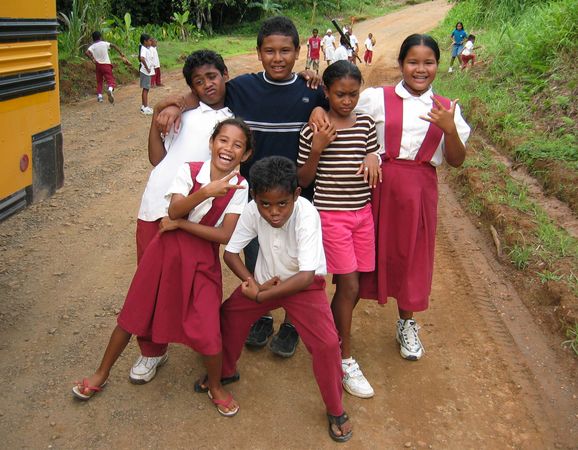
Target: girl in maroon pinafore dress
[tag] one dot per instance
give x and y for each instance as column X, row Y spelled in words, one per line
column 176, row 292
column 420, row 129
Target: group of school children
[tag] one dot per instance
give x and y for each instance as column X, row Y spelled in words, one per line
column 462, row 47
column 371, row 222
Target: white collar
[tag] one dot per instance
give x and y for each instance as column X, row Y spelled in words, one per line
column 280, row 83
column 405, row 94
column 206, row 108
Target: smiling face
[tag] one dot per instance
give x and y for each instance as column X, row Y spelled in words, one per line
column 228, row 150
column 276, row 206
column 343, row 95
column 419, row 69
column 209, row 85
column 278, row 55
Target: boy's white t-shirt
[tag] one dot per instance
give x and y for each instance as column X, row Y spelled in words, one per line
column 155, row 53
column 354, row 42
column 468, row 47
column 148, row 57
column 99, row 52
column 368, row 44
column 190, row 144
column 283, row 252
column 183, row 183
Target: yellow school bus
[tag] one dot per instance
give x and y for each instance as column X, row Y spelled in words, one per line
column 31, row 162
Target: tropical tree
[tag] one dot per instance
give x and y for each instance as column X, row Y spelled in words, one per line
column 267, row 7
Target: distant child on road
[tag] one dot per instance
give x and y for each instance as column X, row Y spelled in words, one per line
column 328, row 46
column 369, row 44
column 313, row 51
column 147, row 71
column 98, row 53
column 468, row 52
column 458, row 37
column 156, row 79
column 176, row 292
column 342, row 159
column 288, row 274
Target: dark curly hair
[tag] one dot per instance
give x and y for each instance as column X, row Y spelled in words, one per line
column 201, row 58
column 235, row 121
column 339, row 70
column 273, row 172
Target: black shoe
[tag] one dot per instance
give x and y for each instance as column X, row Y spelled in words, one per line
column 260, row 332
column 284, row 343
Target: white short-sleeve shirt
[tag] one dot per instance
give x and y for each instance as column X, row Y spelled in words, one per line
column 468, row 47
column 341, row 54
column 99, row 52
column 414, row 129
column 295, row 247
column 148, row 57
column 190, row 144
column 354, row 42
column 183, row 183
column 155, row 53
column 368, row 44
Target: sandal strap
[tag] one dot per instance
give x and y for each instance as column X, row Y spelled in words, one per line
column 86, row 385
column 226, row 402
column 338, row 420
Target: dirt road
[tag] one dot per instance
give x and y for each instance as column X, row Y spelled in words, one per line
column 491, row 377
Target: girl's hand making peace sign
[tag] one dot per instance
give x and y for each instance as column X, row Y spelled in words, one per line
column 219, row 188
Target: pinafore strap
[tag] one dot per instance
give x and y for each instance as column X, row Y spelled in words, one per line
column 394, row 127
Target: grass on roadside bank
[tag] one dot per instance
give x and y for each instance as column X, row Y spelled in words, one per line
column 522, row 89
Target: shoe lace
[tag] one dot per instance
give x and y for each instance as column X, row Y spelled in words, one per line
column 409, row 334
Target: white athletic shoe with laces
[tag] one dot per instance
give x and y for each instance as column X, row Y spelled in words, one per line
column 145, row 368
column 409, row 343
column 353, row 380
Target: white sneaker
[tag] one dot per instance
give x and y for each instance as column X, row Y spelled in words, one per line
column 410, row 345
column 99, row 98
column 451, row 69
column 110, row 95
column 146, row 110
column 353, row 380
column 145, row 368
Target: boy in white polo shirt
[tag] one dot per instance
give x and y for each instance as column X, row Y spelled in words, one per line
column 205, row 73
column 98, row 54
column 289, row 273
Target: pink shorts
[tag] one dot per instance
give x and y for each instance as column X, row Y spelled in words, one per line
column 349, row 240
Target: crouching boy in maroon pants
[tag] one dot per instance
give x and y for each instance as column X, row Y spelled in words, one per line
column 289, row 274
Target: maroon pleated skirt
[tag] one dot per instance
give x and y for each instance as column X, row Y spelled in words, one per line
column 405, row 215
column 176, row 293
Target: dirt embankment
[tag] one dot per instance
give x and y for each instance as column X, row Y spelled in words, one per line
column 492, row 376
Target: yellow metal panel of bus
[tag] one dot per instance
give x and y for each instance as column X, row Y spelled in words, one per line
column 20, row 118
column 27, row 9
column 25, row 56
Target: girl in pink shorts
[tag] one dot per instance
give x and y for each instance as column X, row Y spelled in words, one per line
column 342, row 157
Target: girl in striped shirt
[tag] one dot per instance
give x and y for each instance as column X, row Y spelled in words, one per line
column 342, row 156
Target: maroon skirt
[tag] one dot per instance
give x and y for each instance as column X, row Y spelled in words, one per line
column 405, row 215
column 176, row 293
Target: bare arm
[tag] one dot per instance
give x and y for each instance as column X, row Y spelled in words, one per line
column 156, row 147
column 290, row 286
column 220, row 234
column 90, row 56
column 322, row 137
column 235, row 263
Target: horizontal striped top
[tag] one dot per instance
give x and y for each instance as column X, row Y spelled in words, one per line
column 337, row 187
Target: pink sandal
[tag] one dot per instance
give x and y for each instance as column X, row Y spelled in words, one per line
column 79, row 389
column 227, row 403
